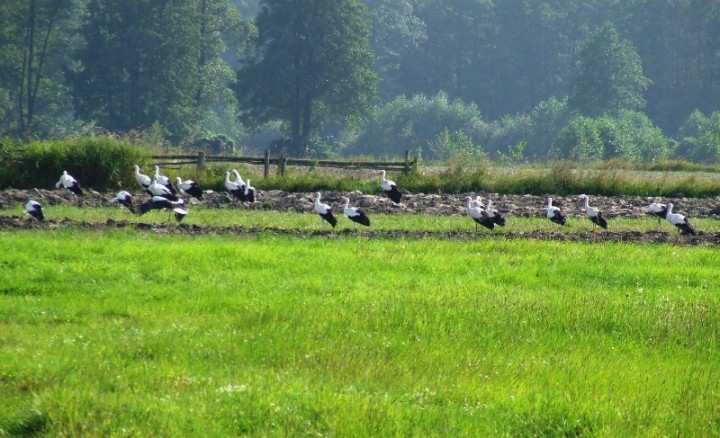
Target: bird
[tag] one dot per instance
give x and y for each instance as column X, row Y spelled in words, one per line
column 594, row 214
column 390, row 188
column 164, row 180
column 34, row 209
column 125, row 199
column 356, row 215
column 157, row 189
column 70, row 183
column 325, row 211
column 657, row 209
column 233, row 188
column 249, row 193
column 478, row 215
column 143, row 180
column 160, row 203
column 478, row 202
column 238, row 179
column 493, row 214
column 554, row 213
column 680, row 221
column 190, row 187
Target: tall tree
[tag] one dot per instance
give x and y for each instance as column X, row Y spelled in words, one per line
column 148, row 61
column 311, row 63
column 610, row 77
column 36, row 43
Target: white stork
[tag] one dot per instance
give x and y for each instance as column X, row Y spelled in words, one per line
column 238, row 179
column 34, row 209
column 249, row 193
column 70, row 183
column 325, row 211
column 657, row 209
column 494, row 215
column 680, row 221
column 125, row 199
column 160, row 203
column 157, row 189
column 143, row 180
column 478, row 202
column 233, row 188
column 594, row 214
column 554, row 213
column 189, row 186
column 477, row 214
column 164, row 180
column 390, row 188
column 356, row 215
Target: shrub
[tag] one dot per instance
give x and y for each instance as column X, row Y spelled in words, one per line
column 97, row 162
column 404, row 124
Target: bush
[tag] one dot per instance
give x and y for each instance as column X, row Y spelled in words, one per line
column 96, row 162
column 631, row 136
column 700, row 138
column 404, row 124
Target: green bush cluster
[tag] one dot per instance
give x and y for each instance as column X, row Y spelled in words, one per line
column 99, row 162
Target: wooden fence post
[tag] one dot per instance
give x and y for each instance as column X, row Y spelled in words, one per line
column 407, row 160
column 281, row 165
column 201, row 162
column 266, row 170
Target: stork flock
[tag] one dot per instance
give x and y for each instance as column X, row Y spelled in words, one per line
column 163, row 195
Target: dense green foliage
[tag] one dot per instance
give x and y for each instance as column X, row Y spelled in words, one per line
column 531, row 76
column 494, row 338
column 319, row 55
column 100, row 163
column 610, row 77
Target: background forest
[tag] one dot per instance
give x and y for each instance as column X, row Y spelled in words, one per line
column 519, row 80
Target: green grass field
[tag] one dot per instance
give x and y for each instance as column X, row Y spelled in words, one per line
column 125, row 333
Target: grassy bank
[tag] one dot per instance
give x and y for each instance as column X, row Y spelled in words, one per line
column 127, row 333
column 105, row 163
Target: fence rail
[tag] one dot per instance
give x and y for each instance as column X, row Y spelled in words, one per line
column 201, row 160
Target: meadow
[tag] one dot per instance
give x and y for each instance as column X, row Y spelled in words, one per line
column 127, row 333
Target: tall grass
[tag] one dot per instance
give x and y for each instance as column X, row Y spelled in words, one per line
column 133, row 334
column 102, row 162
column 106, row 163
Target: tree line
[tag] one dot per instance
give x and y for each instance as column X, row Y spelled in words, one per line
column 519, row 80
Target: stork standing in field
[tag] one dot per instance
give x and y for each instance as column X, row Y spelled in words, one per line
column 68, row 182
column 593, row 214
column 356, row 215
column 164, row 180
column 233, row 188
column 34, row 209
column 125, row 199
column 477, row 214
column 241, row 185
column 390, row 188
column 190, row 187
column 249, row 193
column 143, row 180
column 160, row 203
column 657, row 209
column 493, row 214
column 157, row 189
column 554, row 213
column 325, row 211
column 478, row 202
column 680, row 221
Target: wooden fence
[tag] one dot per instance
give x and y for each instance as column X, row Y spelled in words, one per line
column 201, row 160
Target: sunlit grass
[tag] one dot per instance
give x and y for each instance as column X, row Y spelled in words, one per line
column 126, row 333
